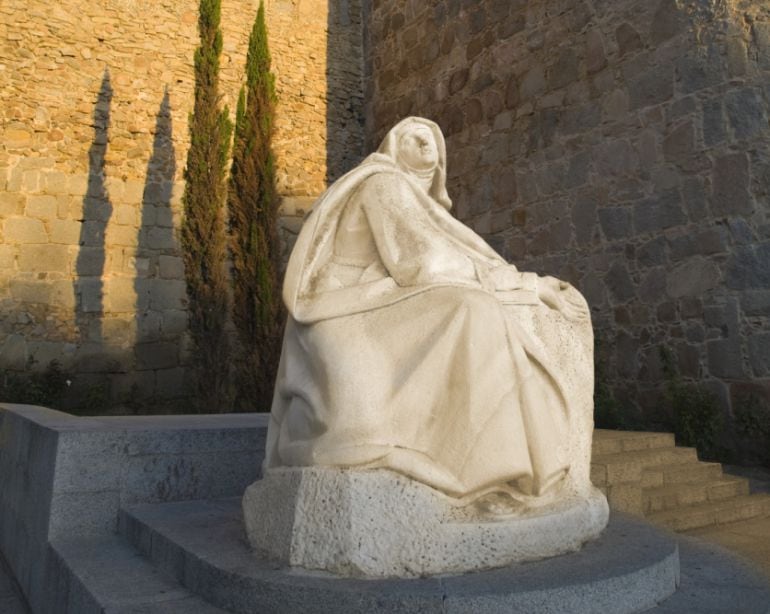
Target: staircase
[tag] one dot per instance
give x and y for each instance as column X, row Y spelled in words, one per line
column 646, row 474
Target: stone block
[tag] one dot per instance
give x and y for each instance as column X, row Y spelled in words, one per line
column 615, row 105
column 161, row 238
column 761, row 34
column 737, row 57
column 615, row 157
column 117, row 331
column 584, row 220
column 120, row 295
column 745, row 112
column 652, row 252
column 66, row 232
column 756, row 302
column 89, row 295
column 679, row 143
column 725, row 358
column 126, row 215
column 694, row 195
column 691, row 307
column 92, row 234
column 714, row 123
column 741, row 231
column 668, row 21
column 653, row 286
column 658, row 213
column 759, row 354
column 688, row 359
column 532, row 84
column 12, row 204
column 697, row 70
column 55, row 182
column 7, row 256
column 173, row 323
column 615, row 222
column 22, row 230
column 148, row 325
column 564, row 70
column 171, row 267
column 651, row 87
column 692, row 278
column 14, row 353
column 41, row 206
column 167, row 294
column 90, row 261
column 44, row 258
column 595, row 56
column 749, row 267
column 628, row 39
column 157, row 355
column 31, row 291
column 579, row 119
column 123, row 235
column 619, row 282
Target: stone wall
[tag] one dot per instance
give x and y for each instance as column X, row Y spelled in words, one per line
column 94, row 102
column 622, row 145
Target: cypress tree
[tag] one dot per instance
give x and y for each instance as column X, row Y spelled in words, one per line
column 203, row 236
column 258, row 312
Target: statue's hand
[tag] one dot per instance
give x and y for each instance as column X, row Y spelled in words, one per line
column 558, row 296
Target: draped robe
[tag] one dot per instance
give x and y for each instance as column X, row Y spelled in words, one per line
column 399, row 353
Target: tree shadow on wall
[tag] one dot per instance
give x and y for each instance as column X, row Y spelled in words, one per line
column 88, row 285
column 344, row 87
column 159, row 277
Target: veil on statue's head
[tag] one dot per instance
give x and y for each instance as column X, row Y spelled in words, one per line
column 389, row 147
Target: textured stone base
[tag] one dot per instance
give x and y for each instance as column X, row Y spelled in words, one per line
column 380, row 524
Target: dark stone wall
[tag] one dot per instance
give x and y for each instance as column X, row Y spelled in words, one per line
column 622, row 145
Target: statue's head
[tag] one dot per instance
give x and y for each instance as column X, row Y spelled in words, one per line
column 417, row 150
column 417, row 147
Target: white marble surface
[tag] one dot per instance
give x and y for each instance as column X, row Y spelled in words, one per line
column 377, row 523
column 412, row 346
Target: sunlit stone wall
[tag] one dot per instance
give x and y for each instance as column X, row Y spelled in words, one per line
column 94, row 105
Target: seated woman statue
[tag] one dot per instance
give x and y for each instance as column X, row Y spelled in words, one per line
column 412, row 346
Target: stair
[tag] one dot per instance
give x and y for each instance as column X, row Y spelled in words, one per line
column 648, row 475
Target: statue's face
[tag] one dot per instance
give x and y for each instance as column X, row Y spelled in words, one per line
column 418, row 149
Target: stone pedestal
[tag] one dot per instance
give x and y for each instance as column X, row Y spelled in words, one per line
column 377, row 523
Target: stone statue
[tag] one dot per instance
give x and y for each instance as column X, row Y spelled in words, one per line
column 415, row 356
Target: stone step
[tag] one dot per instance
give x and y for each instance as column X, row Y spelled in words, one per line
column 105, row 574
column 631, row 567
column 614, row 442
column 712, row 513
column 687, row 472
column 672, row 496
column 629, row 466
